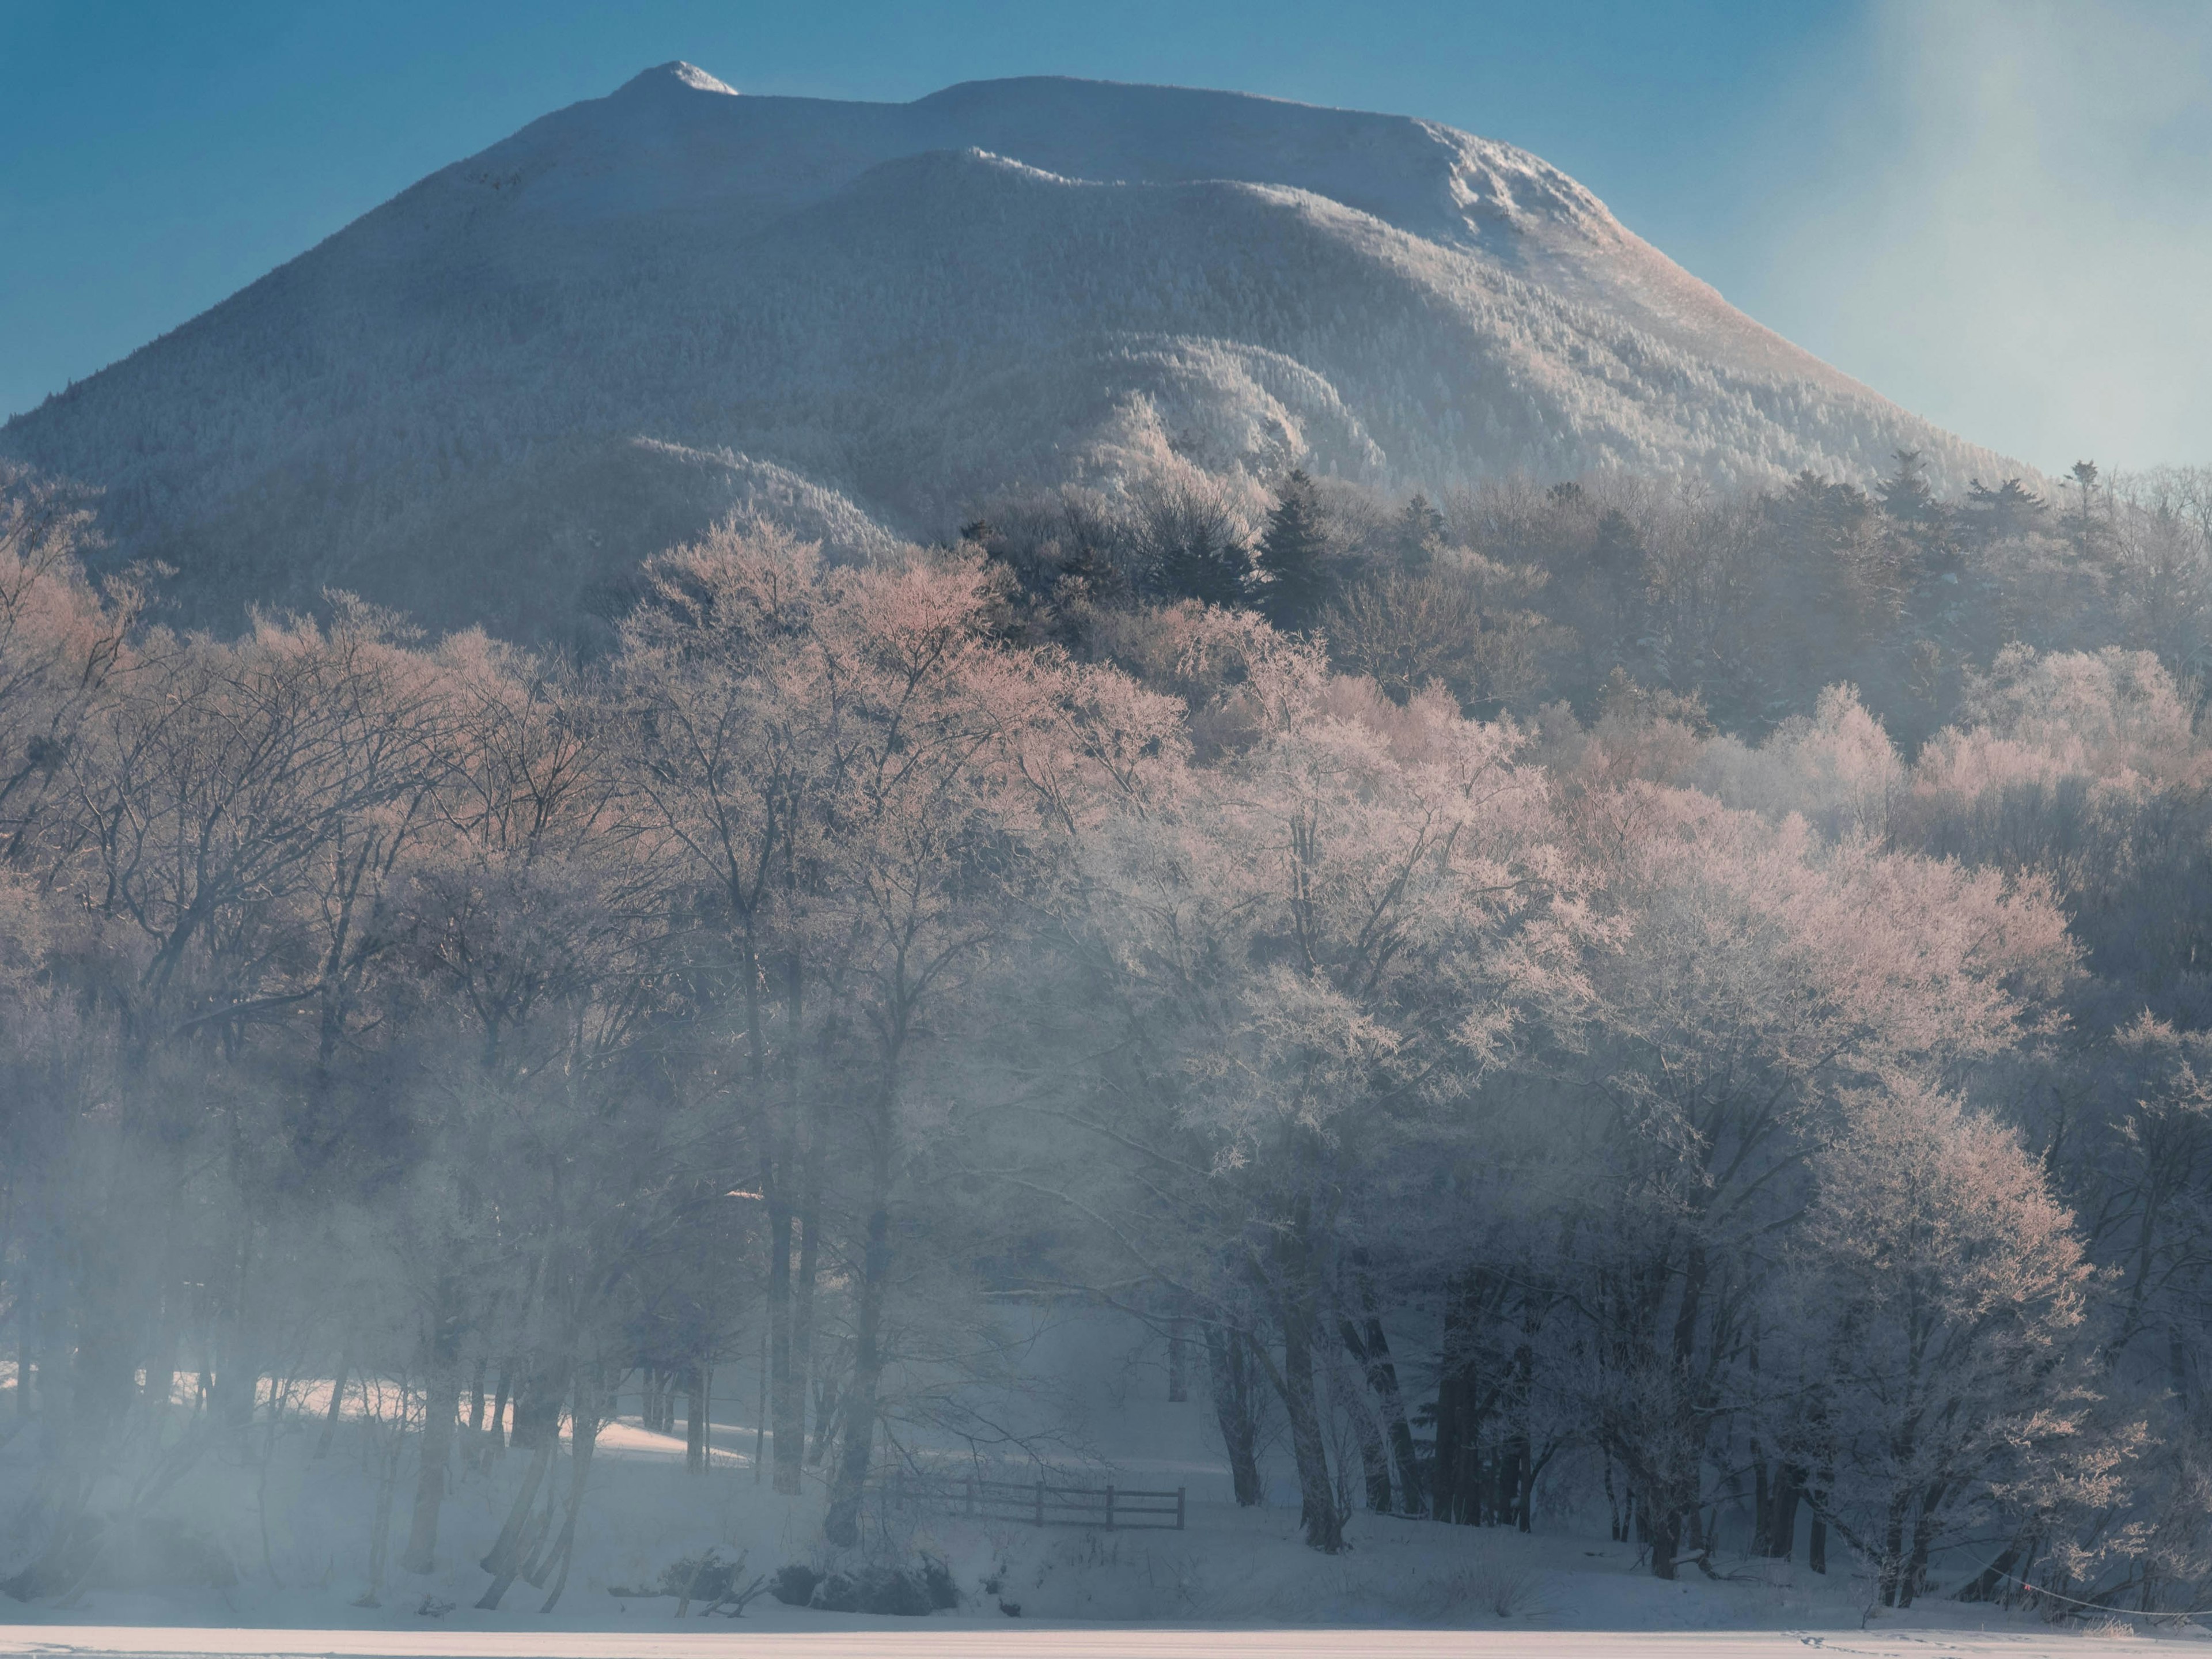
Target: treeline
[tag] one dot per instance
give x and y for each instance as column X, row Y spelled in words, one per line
column 1783, row 1141
column 1516, row 594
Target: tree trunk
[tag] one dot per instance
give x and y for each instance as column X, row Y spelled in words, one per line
column 1455, row 1478
column 1762, row 1503
column 781, row 1410
column 1621, row 1506
column 583, row 1433
column 1524, row 1500
column 380, row 1536
column 1788, row 1496
column 238, row 1378
column 499, row 1410
column 775, row 1182
column 1316, row 1503
column 828, row 1391
column 802, row 1344
column 760, row 1416
column 103, row 1382
column 1382, row 1377
column 536, row 1552
column 843, row 1524
column 1229, row 1372
column 1517, row 1470
column 441, row 1395
column 1374, row 1456
column 1666, row 1540
column 1178, row 1376
column 539, row 1430
column 695, row 1418
column 1443, row 1471
column 337, row 1408
column 1892, row 1549
column 1915, row 1576
column 505, row 1561
column 801, row 1119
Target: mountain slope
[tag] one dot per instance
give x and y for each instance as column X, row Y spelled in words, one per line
column 471, row 401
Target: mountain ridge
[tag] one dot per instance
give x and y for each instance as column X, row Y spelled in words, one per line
column 909, row 306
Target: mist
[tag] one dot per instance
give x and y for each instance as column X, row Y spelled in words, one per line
column 1094, row 853
column 1601, row 1010
column 2002, row 226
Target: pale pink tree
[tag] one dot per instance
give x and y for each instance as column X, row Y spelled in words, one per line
column 1946, row 1288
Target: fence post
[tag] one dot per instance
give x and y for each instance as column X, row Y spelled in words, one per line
column 1179, row 1508
column 1109, row 1509
column 1040, row 1509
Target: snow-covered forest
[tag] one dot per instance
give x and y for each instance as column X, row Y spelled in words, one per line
column 1619, row 1006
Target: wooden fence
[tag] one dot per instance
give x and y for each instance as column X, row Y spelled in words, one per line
column 1038, row 1502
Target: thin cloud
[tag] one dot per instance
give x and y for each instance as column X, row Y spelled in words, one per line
column 2015, row 235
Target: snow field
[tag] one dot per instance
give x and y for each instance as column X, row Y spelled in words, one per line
column 300, row 1546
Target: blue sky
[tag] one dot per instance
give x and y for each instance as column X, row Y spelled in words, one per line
column 1998, row 212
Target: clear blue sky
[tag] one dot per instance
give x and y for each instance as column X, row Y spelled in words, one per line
column 1995, row 212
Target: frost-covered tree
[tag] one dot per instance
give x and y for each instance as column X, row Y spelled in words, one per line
column 1944, row 1289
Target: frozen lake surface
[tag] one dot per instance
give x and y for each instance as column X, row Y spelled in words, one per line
column 1040, row 1640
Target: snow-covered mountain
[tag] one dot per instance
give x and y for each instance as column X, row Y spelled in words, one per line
column 495, row 391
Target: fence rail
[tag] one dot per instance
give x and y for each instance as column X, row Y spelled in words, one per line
column 1039, row 1503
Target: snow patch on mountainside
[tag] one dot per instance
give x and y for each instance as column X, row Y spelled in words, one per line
column 692, row 76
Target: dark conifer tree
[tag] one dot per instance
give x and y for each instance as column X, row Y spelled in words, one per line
column 1906, row 494
column 2010, row 509
column 1421, row 535
column 2083, row 527
column 1923, row 518
column 1292, row 555
column 1207, row 564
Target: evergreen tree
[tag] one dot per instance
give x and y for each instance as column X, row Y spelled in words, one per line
column 2010, row 509
column 1906, row 494
column 1191, row 545
column 1420, row 535
column 1206, row 564
column 1618, row 553
column 1911, row 504
column 1292, row 554
column 2083, row 528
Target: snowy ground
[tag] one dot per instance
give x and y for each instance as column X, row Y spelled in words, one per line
column 1235, row 1582
column 941, row 1642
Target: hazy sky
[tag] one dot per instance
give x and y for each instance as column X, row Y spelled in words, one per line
column 1998, row 212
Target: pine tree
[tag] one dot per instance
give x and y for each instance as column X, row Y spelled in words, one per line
column 2083, row 527
column 1206, row 564
column 1911, row 504
column 1906, row 494
column 1291, row 555
column 2010, row 509
column 1420, row 535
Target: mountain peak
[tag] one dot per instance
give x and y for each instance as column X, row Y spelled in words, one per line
column 910, row 308
column 681, row 74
